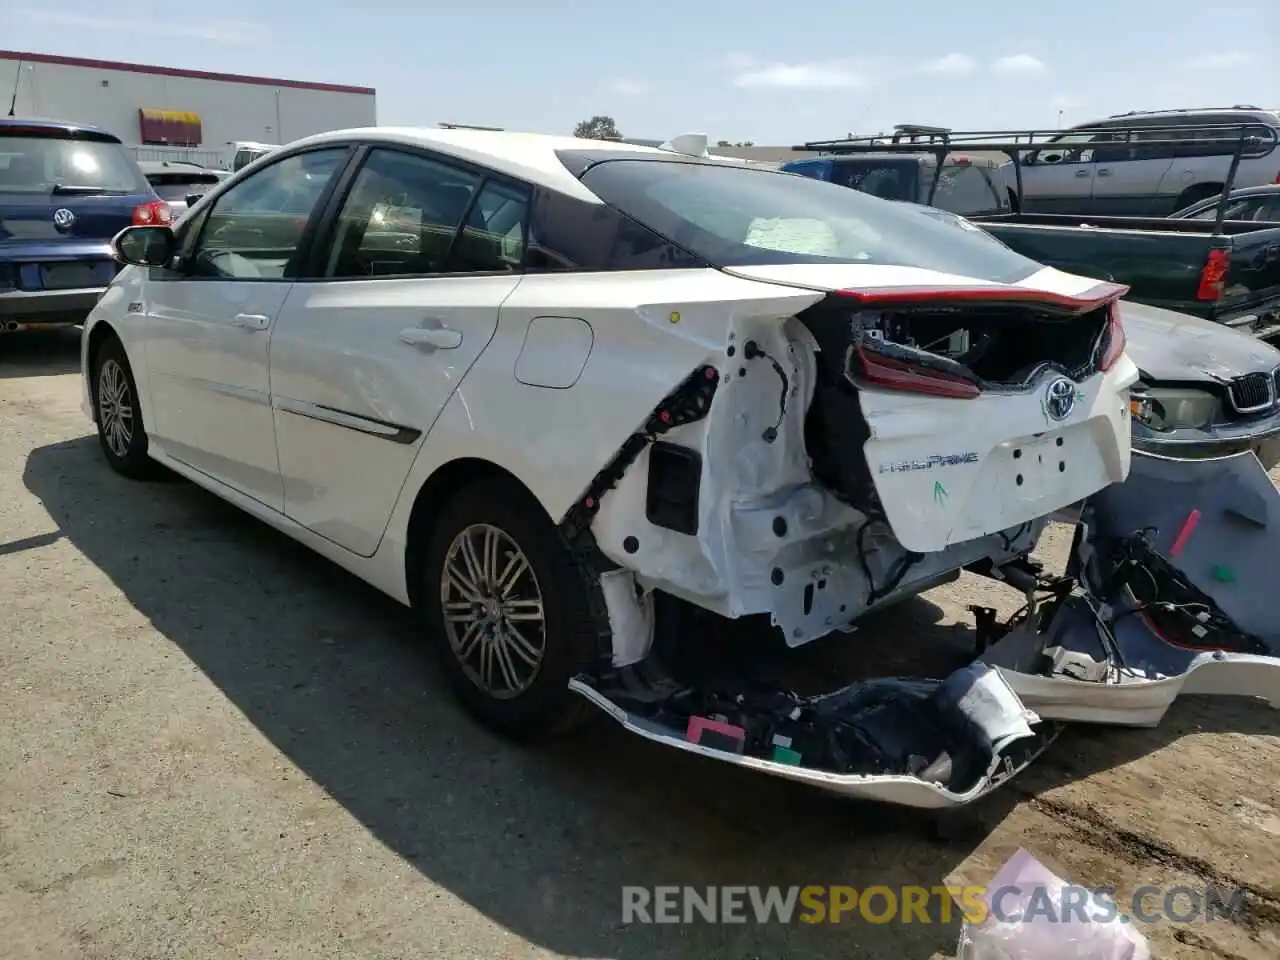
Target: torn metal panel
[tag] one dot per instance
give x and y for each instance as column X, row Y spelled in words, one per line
column 930, row 744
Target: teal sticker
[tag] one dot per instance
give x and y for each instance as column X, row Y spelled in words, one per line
column 939, row 493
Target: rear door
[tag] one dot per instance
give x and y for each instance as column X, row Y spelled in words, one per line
column 1131, row 170
column 211, row 321
column 1059, row 178
column 403, row 296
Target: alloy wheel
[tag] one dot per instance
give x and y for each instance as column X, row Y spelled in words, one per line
column 115, row 408
column 493, row 611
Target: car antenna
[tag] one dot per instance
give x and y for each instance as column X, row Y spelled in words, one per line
column 17, row 82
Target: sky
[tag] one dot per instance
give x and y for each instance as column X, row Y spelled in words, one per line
column 765, row 71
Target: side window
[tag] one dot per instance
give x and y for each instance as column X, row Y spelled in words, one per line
column 252, row 232
column 492, row 239
column 1269, row 212
column 400, row 217
column 813, row 169
column 1068, row 148
column 571, row 235
column 1113, row 147
column 964, row 190
column 1215, row 141
column 888, row 181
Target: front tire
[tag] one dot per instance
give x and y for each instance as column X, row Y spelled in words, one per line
column 507, row 606
column 118, row 415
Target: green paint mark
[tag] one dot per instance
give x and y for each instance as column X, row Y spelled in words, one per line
column 939, row 493
column 1223, row 574
column 787, row 756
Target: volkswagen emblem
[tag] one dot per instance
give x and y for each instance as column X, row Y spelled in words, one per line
column 63, row 219
column 1060, row 399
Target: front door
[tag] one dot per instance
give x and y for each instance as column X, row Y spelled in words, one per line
column 367, row 352
column 212, row 318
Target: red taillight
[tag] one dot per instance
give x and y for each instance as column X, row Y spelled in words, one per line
column 156, row 213
column 960, row 161
column 1277, row 179
column 891, row 373
column 1115, row 339
column 1213, row 278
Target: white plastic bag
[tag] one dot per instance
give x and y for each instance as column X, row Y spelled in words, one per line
column 1052, row 931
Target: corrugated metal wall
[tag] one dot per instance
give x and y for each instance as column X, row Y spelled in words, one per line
column 112, row 99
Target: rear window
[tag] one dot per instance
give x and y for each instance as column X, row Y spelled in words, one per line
column 38, row 164
column 737, row 216
column 178, row 186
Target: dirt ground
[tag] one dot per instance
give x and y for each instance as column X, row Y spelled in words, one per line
column 218, row 745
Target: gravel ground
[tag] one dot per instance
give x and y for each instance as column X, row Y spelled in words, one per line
column 218, row 745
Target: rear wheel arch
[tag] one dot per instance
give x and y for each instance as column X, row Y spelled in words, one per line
column 1195, row 193
column 435, row 492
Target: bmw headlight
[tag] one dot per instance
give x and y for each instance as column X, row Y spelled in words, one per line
column 1170, row 408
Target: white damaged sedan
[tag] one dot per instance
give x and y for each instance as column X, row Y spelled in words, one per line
column 527, row 384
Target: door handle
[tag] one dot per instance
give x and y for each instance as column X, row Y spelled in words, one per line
column 432, row 338
column 252, row 321
column 1104, row 172
column 1082, row 173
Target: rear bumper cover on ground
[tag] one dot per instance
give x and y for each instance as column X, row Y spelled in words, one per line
column 1211, row 529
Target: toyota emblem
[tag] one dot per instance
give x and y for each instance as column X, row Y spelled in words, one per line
column 63, row 218
column 1060, row 399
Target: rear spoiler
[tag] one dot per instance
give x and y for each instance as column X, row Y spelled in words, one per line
column 1091, row 299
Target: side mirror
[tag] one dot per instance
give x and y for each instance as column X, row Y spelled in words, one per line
column 144, row 246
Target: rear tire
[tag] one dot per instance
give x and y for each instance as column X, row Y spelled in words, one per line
column 505, row 603
column 118, row 414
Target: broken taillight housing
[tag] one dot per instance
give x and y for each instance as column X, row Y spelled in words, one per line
column 1213, row 277
column 1114, row 344
column 878, row 369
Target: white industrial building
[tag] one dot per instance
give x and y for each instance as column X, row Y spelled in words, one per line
column 166, row 113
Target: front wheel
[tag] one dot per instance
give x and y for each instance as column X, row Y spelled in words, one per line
column 507, row 606
column 119, row 417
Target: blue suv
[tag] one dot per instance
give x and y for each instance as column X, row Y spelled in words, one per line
column 65, row 191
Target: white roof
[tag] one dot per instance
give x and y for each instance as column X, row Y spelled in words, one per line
column 526, row 156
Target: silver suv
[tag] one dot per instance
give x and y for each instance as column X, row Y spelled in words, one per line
column 1097, row 171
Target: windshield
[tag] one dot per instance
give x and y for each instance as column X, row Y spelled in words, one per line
column 39, row 164
column 737, row 216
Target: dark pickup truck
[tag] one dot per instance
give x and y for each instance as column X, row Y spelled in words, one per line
column 1222, row 270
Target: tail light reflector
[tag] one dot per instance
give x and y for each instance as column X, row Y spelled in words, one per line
column 1213, row 278
column 891, row 373
column 1116, row 340
column 155, row 213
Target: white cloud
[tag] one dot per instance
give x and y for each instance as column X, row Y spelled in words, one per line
column 628, row 88
column 955, row 64
column 829, row 75
column 1023, row 63
column 1221, row 61
column 213, row 31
